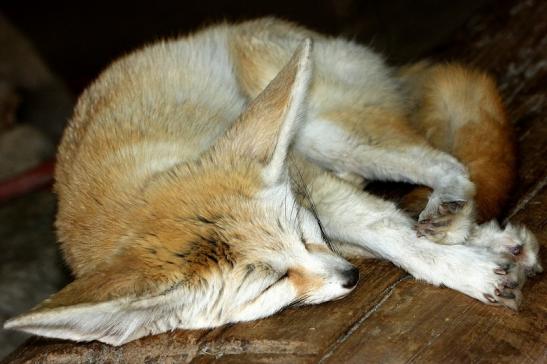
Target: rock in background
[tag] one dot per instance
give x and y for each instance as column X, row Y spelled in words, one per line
column 34, row 107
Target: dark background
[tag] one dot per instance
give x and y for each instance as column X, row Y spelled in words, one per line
column 78, row 39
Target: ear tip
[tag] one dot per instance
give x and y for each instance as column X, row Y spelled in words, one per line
column 307, row 43
column 12, row 323
column 21, row 321
column 305, row 48
column 7, row 325
column 302, row 56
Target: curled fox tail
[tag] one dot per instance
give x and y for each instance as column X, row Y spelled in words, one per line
column 459, row 111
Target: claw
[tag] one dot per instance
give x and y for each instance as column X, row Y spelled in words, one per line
column 512, row 304
column 451, row 207
column 440, row 223
column 511, row 284
column 530, row 272
column 504, row 268
column 490, row 298
column 516, row 250
column 500, row 271
column 504, row 294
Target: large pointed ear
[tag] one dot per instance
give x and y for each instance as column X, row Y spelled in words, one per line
column 106, row 307
column 267, row 127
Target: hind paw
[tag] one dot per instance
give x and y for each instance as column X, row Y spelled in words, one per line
column 517, row 242
column 447, row 222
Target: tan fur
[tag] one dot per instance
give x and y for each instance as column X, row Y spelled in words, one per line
column 317, row 248
column 459, row 111
column 260, row 52
column 414, row 201
column 304, row 281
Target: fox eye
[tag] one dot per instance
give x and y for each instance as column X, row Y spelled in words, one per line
column 281, row 278
column 317, row 248
column 322, row 231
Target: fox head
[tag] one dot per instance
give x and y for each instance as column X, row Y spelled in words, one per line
column 217, row 240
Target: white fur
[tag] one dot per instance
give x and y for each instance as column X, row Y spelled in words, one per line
column 377, row 225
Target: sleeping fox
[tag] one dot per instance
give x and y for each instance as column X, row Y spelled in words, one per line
column 216, row 178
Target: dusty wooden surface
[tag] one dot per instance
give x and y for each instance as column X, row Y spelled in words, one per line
column 390, row 318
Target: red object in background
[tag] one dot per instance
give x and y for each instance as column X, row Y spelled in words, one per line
column 33, row 179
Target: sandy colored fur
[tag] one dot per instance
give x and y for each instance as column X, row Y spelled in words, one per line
column 460, row 111
column 304, row 281
column 259, row 50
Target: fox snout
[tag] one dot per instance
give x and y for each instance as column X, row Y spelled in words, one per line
column 326, row 277
column 351, row 277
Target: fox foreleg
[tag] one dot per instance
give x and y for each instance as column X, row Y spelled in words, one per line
column 360, row 219
column 449, row 212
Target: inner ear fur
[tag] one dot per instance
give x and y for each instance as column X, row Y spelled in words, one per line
column 266, row 129
column 113, row 305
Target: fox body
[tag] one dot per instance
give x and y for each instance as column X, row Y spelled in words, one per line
column 216, row 178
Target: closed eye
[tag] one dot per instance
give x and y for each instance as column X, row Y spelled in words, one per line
column 302, row 189
column 321, row 228
column 324, row 236
column 281, row 278
column 299, row 301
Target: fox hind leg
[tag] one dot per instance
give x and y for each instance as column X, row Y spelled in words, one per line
column 460, row 111
column 515, row 241
column 378, row 144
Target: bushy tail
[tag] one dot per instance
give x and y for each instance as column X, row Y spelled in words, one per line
column 459, row 111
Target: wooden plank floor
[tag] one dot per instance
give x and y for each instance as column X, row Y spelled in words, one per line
column 391, row 318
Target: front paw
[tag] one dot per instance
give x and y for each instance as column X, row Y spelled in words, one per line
column 489, row 277
column 446, row 222
column 506, row 287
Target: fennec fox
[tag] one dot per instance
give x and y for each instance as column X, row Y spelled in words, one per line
column 215, row 179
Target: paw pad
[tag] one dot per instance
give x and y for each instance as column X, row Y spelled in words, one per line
column 505, row 294
column 516, row 250
column 445, row 223
column 450, row 207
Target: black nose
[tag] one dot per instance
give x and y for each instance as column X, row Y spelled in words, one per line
column 351, row 277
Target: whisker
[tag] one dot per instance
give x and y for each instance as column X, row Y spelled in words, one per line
column 298, row 302
column 305, row 192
